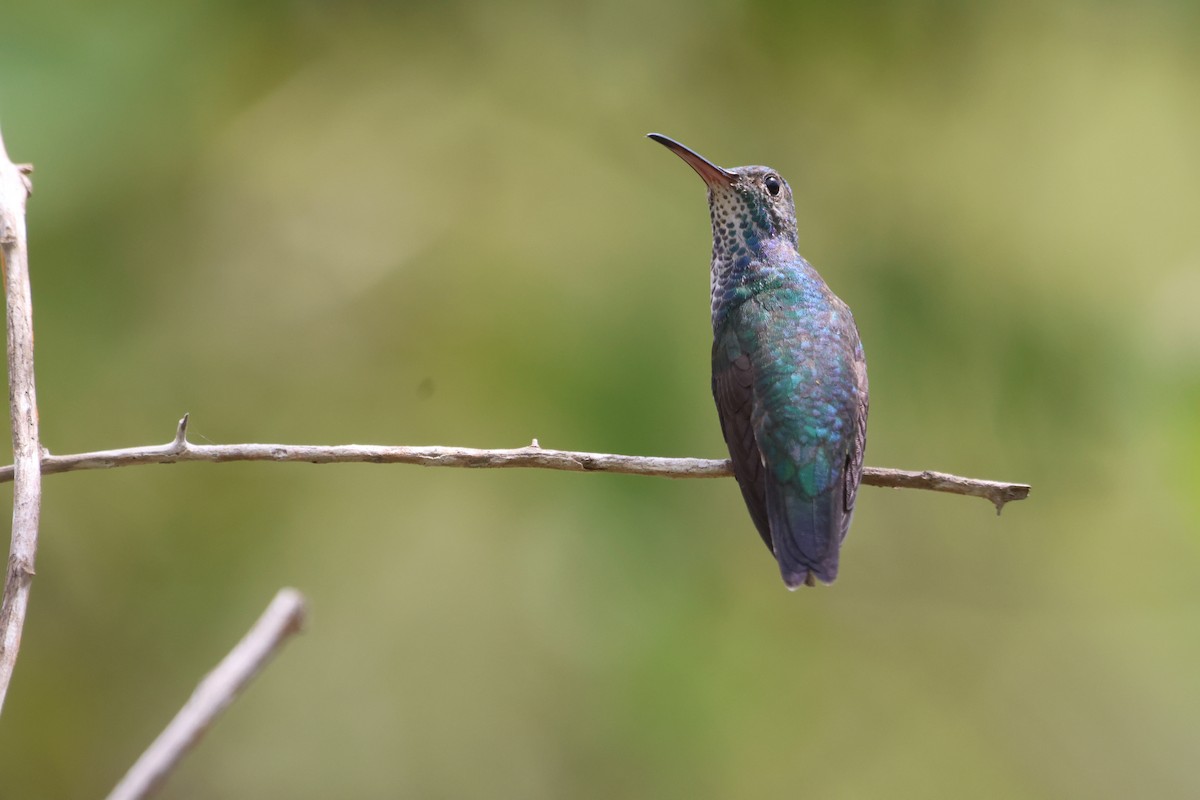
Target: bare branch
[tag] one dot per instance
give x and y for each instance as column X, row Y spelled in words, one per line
column 532, row 456
column 998, row 492
column 22, row 398
column 283, row 618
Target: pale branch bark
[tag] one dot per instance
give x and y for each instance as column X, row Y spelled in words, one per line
column 22, row 399
column 283, row 618
column 533, row 456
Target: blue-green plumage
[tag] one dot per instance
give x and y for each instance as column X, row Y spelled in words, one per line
column 789, row 376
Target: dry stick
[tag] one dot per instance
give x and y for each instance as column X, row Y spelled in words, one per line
column 27, row 485
column 282, row 619
column 534, row 456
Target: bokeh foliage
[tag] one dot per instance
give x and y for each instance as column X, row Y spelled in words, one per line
column 408, row 223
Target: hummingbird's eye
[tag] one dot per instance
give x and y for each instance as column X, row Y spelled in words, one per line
column 773, row 185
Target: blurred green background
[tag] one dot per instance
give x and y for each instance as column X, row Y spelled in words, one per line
column 441, row 224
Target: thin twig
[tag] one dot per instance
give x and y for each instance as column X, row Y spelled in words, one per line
column 283, row 618
column 15, row 188
column 533, row 456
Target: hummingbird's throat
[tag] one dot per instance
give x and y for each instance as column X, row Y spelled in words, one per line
column 745, row 239
column 739, row 224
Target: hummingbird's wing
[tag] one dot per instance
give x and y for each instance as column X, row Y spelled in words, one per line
column 858, row 445
column 732, row 385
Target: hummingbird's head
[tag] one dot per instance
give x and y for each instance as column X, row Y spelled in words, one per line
column 749, row 206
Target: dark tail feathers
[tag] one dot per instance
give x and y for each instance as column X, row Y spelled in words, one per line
column 806, row 534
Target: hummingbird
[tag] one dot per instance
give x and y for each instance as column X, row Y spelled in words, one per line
column 788, row 371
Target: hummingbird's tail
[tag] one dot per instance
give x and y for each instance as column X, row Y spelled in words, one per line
column 806, row 534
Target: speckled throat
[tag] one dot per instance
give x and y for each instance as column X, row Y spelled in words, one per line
column 750, row 234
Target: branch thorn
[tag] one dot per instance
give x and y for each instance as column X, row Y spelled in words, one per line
column 180, row 442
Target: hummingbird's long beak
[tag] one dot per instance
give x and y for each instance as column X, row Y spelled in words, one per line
column 710, row 172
